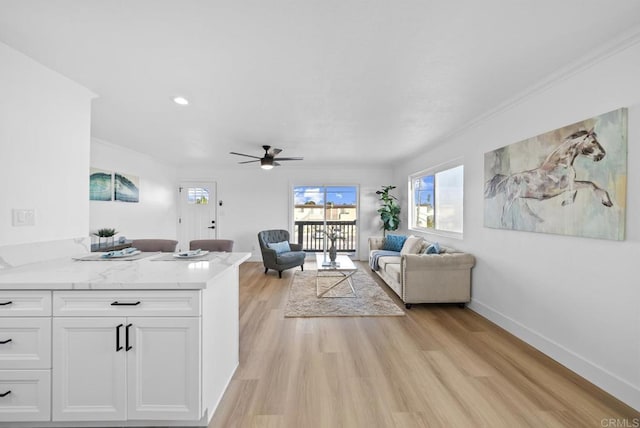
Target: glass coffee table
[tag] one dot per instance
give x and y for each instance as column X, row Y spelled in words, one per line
column 342, row 271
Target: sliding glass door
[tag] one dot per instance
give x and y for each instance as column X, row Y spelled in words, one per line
column 319, row 208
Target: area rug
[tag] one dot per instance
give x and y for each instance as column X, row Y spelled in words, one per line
column 371, row 300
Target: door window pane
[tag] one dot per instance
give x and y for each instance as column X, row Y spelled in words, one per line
column 197, row 195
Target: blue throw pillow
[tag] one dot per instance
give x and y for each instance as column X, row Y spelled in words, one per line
column 280, row 247
column 394, row 242
column 433, row 249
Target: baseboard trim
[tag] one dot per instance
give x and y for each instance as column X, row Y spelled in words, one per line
column 599, row 376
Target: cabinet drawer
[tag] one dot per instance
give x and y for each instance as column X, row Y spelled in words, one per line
column 101, row 303
column 25, row 343
column 25, row 303
column 29, row 398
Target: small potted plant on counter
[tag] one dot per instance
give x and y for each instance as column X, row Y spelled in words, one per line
column 107, row 234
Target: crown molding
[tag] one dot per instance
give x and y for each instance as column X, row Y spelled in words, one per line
column 613, row 47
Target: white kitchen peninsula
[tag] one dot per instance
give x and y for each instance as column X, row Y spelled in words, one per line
column 117, row 343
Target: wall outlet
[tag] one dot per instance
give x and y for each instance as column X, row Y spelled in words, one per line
column 23, row 217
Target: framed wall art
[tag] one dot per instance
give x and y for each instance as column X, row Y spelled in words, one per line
column 126, row 187
column 100, row 185
column 570, row 181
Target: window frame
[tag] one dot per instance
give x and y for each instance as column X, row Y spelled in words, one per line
column 325, row 186
column 432, row 171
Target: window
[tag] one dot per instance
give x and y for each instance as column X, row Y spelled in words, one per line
column 332, row 207
column 436, row 199
column 197, row 195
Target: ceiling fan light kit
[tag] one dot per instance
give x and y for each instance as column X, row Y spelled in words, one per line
column 268, row 161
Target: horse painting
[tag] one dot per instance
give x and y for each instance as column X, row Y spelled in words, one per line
column 555, row 176
column 568, row 181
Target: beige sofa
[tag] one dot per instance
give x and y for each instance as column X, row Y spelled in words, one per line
column 425, row 278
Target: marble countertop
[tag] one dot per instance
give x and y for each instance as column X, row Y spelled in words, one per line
column 146, row 273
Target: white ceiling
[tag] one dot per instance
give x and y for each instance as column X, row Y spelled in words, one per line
column 340, row 81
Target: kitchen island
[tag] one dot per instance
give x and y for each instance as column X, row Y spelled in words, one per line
column 146, row 342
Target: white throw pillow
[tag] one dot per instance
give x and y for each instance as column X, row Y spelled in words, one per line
column 412, row 245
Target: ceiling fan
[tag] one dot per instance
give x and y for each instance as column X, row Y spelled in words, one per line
column 269, row 159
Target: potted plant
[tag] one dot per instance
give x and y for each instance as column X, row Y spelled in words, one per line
column 390, row 209
column 105, row 233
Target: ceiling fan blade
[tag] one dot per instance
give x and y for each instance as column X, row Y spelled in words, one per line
column 274, row 152
column 288, row 159
column 242, row 154
column 257, row 160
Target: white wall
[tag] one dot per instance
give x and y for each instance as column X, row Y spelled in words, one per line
column 255, row 200
column 155, row 216
column 44, row 151
column 576, row 299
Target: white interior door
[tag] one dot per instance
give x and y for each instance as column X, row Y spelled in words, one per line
column 197, row 214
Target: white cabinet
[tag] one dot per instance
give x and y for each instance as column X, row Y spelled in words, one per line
column 117, row 344
column 30, row 303
column 25, row 355
column 123, row 366
column 164, row 369
column 25, row 343
column 89, row 375
column 24, row 395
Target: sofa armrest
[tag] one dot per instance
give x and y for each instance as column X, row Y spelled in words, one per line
column 432, row 278
column 295, row 247
column 375, row 243
column 437, row 261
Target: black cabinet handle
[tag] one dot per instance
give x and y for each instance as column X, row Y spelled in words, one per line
column 5, row 394
column 2, row 342
column 118, row 347
column 5, row 304
column 116, row 303
column 127, row 337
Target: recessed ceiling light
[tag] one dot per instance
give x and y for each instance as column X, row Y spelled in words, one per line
column 181, row 100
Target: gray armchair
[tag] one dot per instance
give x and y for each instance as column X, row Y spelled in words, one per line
column 279, row 261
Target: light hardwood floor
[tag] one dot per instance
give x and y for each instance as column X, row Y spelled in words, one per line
column 439, row 366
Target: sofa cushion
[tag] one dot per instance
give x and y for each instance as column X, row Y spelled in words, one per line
column 393, row 270
column 384, row 261
column 412, row 245
column 374, row 256
column 394, row 242
column 290, row 257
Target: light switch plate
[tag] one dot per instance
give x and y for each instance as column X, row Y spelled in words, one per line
column 23, row 217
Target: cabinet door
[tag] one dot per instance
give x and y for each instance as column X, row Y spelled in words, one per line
column 89, row 369
column 164, row 369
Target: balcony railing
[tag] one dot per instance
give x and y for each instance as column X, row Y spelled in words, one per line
column 310, row 235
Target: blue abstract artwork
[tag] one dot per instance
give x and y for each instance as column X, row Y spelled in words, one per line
column 126, row 188
column 100, row 185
